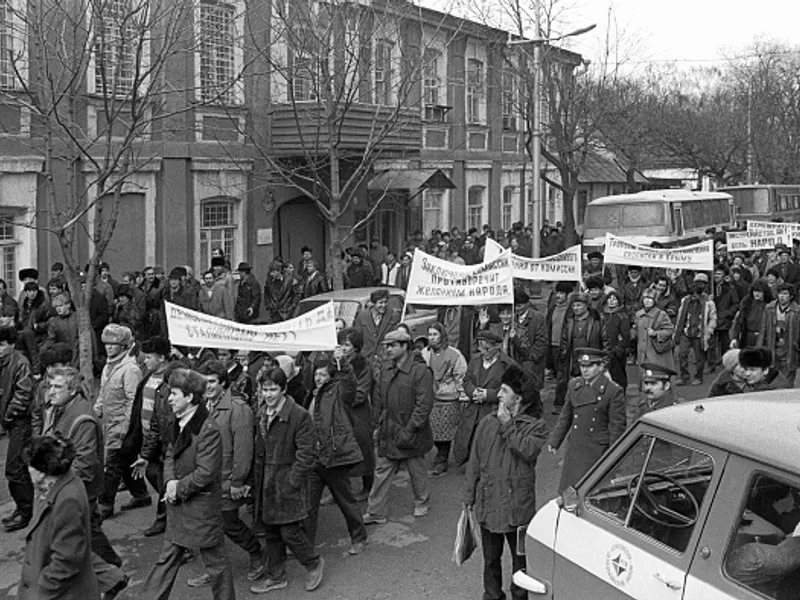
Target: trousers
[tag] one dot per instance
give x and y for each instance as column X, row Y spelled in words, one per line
column 385, row 469
column 492, row 545
column 118, row 468
column 695, row 345
column 19, row 480
column 337, row 479
column 287, row 535
column 161, row 578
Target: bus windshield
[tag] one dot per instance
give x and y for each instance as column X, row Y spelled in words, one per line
column 616, row 216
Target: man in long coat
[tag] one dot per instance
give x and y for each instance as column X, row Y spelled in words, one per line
column 481, row 384
column 593, row 416
column 193, row 476
column 780, row 331
column 375, row 323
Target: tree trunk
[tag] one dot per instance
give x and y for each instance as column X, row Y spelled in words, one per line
column 85, row 343
column 335, row 263
column 568, row 204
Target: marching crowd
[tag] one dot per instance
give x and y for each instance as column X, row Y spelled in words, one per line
column 243, row 445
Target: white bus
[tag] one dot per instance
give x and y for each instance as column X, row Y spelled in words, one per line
column 669, row 217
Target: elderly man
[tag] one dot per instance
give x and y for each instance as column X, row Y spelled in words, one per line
column 114, row 405
column 402, row 405
column 657, row 392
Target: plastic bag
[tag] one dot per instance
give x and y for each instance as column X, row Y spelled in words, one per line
column 466, row 536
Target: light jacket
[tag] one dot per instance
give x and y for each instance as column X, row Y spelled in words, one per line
column 708, row 320
column 114, row 404
column 449, row 368
column 237, row 430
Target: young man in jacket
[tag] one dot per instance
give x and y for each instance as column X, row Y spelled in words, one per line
column 697, row 320
column 235, row 421
column 193, row 492
column 16, row 394
column 402, row 406
column 285, row 455
column 780, row 331
column 726, row 300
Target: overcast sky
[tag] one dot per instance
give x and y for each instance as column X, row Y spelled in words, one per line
column 689, row 30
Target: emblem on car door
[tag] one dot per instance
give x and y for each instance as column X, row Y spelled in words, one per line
column 619, row 565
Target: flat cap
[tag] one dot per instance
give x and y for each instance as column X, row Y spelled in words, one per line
column 398, row 335
column 489, row 336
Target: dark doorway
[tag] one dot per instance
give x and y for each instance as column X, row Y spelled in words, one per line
column 299, row 224
column 126, row 250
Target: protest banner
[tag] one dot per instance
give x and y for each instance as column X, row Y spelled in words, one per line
column 491, row 250
column 314, row 330
column 792, row 229
column 743, row 241
column 439, row 282
column 564, row 266
column 699, row 257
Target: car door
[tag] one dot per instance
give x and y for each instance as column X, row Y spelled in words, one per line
column 748, row 549
column 641, row 511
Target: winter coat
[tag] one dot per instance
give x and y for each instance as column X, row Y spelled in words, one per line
column 791, row 336
column 34, row 314
column 9, row 307
column 237, row 430
column 402, row 406
column 194, row 460
column 182, row 297
column 747, row 324
column 63, row 330
column 641, row 405
column 280, row 298
column 668, row 302
column 774, row 380
column 248, row 299
column 361, row 411
column 725, row 385
column 708, row 319
column 726, row 299
column 58, row 546
column 594, row 416
column 16, row 387
column 362, row 275
column 76, row 422
column 596, row 336
column 373, row 334
column 336, row 440
column 656, row 319
column 154, row 442
column 285, row 455
column 315, row 284
column 529, row 346
column 500, row 480
column 99, row 311
column 114, row 404
column 632, row 295
column 129, row 316
column 223, row 297
column 473, row 412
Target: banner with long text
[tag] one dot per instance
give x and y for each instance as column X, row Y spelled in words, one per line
column 698, row 257
column 564, row 266
column 743, row 241
column 792, row 229
column 314, row 330
column 439, row 282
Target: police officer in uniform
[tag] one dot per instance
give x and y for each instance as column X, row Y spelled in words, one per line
column 657, row 391
column 593, row 415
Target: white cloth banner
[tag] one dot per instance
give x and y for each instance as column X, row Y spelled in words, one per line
column 742, row 241
column 314, row 330
column 439, row 282
column 792, row 229
column 698, row 257
column 564, row 266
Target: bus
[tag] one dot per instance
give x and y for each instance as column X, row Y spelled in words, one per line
column 669, row 217
column 765, row 202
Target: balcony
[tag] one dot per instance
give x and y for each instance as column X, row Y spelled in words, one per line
column 303, row 129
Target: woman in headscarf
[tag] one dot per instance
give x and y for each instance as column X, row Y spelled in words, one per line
column 747, row 322
column 449, row 367
column 654, row 332
column 618, row 328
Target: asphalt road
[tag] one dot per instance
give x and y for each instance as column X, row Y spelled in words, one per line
column 406, row 559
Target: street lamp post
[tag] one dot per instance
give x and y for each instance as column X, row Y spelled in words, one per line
column 536, row 134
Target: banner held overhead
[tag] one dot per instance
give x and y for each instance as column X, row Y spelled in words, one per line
column 699, row 257
column 793, row 229
column 314, row 330
column 742, row 241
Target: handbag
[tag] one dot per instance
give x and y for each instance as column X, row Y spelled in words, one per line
column 466, row 536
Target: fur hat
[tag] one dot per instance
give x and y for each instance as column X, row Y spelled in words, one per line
column 177, row 273
column 565, row 287
column 52, row 456
column 29, row 273
column 516, row 379
column 157, row 345
column 578, row 297
column 595, row 282
column 116, row 334
column 755, row 358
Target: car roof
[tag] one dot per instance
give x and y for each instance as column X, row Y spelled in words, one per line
column 354, row 294
column 654, row 195
column 764, row 426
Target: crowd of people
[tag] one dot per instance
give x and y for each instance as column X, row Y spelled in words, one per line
column 242, row 445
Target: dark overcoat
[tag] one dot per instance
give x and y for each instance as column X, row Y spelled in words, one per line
column 194, row 459
column 594, row 417
column 336, row 440
column 285, row 455
column 402, row 406
column 58, row 549
column 473, row 412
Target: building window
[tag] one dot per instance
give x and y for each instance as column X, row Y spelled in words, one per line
column 509, row 101
column 431, row 78
column 302, row 78
column 432, row 216
column 8, row 253
column 383, row 72
column 8, row 77
column 115, row 49
column 507, row 208
column 475, row 91
column 475, row 207
column 217, row 60
column 217, row 230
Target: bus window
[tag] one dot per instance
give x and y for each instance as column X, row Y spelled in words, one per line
column 607, row 216
column 642, row 215
column 678, row 221
column 689, row 215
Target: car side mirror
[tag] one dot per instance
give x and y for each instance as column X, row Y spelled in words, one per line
column 569, row 500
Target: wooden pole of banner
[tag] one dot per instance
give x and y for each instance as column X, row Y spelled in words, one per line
column 403, row 313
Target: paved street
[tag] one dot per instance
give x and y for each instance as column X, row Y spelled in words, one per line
column 406, row 559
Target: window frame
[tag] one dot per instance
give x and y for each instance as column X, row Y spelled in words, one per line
column 508, row 90
column 431, row 83
column 475, row 92
column 384, row 65
column 12, row 243
column 472, row 206
column 507, row 207
column 428, row 197
column 208, row 231
column 209, row 90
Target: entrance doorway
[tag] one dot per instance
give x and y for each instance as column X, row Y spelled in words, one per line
column 299, row 224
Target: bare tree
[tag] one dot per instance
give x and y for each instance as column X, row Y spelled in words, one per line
column 91, row 73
